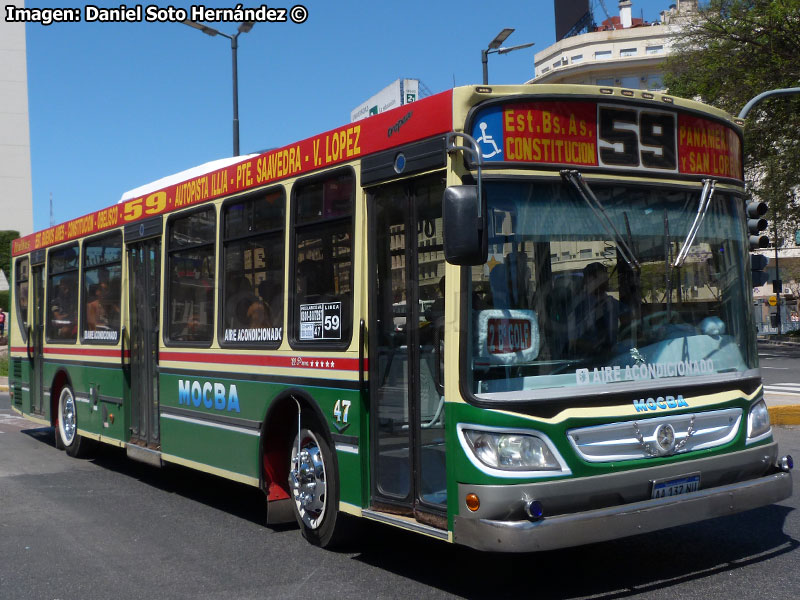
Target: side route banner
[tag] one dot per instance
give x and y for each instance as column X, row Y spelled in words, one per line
column 409, row 123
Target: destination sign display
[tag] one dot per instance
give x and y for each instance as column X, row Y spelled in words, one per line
column 608, row 135
column 419, row 120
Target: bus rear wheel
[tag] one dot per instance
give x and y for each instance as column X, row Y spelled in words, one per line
column 314, row 487
column 67, row 429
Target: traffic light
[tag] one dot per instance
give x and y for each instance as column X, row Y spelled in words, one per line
column 758, row 265
column 756, row 224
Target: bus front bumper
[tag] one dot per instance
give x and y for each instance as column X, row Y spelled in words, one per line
column 604, row 524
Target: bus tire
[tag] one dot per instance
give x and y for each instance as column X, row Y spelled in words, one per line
column 314, row 489
column 67, row 427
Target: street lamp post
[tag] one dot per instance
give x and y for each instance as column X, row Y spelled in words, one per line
column 243, row 28
column 495, row 48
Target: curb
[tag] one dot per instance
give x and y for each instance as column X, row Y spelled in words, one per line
column 784, row 415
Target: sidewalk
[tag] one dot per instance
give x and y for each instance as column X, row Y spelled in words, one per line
column 783, row 409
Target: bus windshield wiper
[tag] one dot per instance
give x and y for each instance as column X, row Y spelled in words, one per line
column 584, row 191
column 702, row 209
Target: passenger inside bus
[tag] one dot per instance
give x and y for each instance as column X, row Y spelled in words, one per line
column 95, row 311
column 598, row 312
column 64, row 322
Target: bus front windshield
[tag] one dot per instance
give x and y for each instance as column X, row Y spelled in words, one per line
column 578, row 294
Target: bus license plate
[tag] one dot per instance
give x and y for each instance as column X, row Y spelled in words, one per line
column 663, row 488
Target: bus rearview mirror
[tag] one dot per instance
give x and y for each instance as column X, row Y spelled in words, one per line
column 465, row 233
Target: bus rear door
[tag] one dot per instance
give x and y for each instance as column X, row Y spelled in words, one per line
column 143, row 246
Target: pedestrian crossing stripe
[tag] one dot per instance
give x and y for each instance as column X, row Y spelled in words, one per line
column 789, row 389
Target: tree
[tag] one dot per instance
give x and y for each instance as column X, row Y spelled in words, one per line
column 6, row 237
column 733, row 51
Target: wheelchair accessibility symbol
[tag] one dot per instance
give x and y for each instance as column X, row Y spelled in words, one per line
column 486, row 139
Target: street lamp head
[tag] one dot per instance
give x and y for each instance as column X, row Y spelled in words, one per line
column 500, row 38
column 204, row 28
column 246, row 26
column 512, row 48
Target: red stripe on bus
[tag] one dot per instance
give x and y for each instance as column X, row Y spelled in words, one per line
column 85, row 352
column 254, row 360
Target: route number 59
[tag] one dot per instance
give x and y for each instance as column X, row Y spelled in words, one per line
column 637, row 137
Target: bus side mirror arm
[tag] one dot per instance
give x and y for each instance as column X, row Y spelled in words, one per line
column 464, row 212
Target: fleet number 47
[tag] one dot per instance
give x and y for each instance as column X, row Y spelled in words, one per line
column 340, row 410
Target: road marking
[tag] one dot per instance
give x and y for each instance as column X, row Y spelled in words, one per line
column 779, row 368
column 784, row 389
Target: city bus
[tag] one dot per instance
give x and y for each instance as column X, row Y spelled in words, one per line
column 515, row 318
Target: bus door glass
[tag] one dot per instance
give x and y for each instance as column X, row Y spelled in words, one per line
column 36, row 341
column 407, row 314
column 144, row 271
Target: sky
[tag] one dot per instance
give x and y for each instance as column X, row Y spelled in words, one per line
column 113, row 106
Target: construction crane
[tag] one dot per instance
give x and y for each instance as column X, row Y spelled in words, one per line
column 603, row 6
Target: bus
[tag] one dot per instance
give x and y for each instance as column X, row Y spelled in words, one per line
column 575, row 357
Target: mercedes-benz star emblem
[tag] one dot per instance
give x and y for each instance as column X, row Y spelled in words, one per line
column 665, row 439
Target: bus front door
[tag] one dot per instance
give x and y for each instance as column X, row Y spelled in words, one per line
column 406, row 324
column 36, row 340
column 144, row 266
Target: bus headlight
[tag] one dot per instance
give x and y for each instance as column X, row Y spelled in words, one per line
column 511, row 451
column 758, row 420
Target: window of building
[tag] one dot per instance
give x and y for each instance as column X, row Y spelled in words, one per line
column 190, row 268
column 252, row 261
column 632, row 83
column 323, row 260
column 602, row 55
column 545, row 70
column 102, row 289
column 605, row 81
column 624, row 52
column 654, row 49
column 21, row 293
column 577, row 58
column 655, row 83
column 62, row 294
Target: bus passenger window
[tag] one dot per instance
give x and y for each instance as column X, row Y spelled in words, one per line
column 62, row 322
column 191, row 272
column 22, row 295
column 253, row 258
column 102, row 273
column 323, row 263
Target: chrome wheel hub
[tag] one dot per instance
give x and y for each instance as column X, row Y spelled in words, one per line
column 67, row 417
column 307, row 481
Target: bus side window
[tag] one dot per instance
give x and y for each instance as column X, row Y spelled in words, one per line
column 190, row 290
column 100, row 302
column 62, row 293
column 323, row 260
column 253, row 258
column 22, row 296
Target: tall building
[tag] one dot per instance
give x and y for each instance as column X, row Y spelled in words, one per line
column 16, row 196
column 623, row 51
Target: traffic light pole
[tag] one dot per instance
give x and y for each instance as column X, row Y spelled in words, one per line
column 776, row 284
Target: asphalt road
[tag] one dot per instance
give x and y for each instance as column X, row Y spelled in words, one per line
column 112, row 528
column 779, row 364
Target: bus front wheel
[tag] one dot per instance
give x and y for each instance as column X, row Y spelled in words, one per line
column 314, row 486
